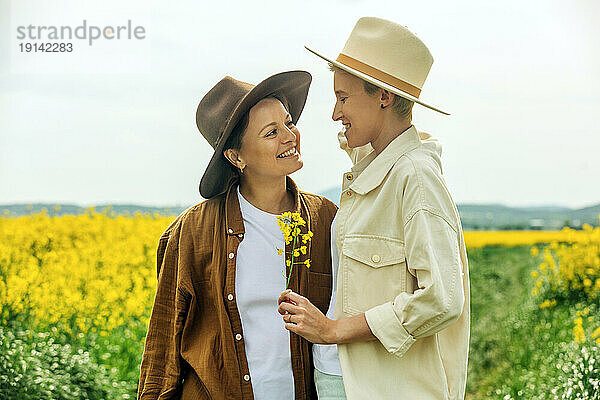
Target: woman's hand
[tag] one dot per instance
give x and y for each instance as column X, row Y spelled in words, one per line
column 303, row 318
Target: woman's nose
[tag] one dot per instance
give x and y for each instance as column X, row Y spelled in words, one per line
column 289, row 135
column 336, row 113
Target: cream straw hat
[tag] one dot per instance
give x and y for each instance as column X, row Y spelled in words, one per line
column 387, row 55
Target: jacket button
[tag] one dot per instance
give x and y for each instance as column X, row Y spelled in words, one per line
column 230, row 230
column 238, row 337
column 349, row 177
column 230, row 297
column 349, row 193
column 246, row 377
column 231, row 255
column 376, row 258
column 241, row 235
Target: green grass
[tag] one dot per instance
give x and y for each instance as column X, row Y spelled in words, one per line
column 518, row 351
column 499, row 283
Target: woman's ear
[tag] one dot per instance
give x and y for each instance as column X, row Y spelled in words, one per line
column 386, row 98
column 233, row 156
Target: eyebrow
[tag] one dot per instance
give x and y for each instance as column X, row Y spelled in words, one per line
column 267, row 125
column 288, row 116
column 337, row 92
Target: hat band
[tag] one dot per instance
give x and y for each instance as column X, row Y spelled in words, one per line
column 379, row 75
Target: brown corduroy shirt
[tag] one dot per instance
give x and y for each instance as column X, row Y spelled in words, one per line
column 191, row 351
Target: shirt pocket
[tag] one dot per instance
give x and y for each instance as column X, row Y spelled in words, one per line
column 373, row 272
column 319, row 290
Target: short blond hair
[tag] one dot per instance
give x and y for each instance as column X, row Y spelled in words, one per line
column 401, row 106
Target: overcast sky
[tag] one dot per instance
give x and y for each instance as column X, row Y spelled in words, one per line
column 114, row 122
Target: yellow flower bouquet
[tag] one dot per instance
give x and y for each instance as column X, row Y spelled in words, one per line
column 290, row 224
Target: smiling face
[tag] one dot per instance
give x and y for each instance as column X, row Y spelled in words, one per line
column 270, row 144
column 356, row 109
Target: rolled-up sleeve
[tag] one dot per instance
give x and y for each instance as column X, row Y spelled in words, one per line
column 161, row 369
column 432, row 256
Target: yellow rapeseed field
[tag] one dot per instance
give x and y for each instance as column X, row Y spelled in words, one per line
column 87, row 272
column 570, row 271
column 476, row 239
column 571, row 268
column 96, row 271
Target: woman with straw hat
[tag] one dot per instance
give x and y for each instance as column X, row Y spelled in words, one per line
column 402, row 303
column 214, row 331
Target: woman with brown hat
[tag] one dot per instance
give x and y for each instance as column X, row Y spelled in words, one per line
column 214, row 331
column 402, row 306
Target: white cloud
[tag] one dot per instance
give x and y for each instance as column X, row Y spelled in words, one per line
column 116, row 123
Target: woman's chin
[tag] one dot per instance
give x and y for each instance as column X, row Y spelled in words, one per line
column 299, row 164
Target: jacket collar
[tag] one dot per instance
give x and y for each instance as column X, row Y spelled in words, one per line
column 233, row 212
column 372, row 170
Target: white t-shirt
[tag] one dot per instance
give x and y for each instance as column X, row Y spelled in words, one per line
column 259, row 281
column 325, row 356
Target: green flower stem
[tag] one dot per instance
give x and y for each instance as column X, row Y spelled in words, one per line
column 292, row 261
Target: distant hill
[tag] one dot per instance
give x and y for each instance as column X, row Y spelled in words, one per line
column 70, row 209
column 473, row 216
column 480, row 216
column 498, row 216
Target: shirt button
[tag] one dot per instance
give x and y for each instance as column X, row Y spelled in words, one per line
column 246, row 377
column 349, row 177
column 231, row 255
column 376, row 258
column 230, row 297
column 230, row 230
column 238, row 337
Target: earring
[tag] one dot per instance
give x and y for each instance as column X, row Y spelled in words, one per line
column 382, row 107
column 242, row 169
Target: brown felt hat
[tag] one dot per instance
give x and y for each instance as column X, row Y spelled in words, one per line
column 222, row 107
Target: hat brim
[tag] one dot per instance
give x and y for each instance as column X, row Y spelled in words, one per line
column 375, row 82
column 291, row 85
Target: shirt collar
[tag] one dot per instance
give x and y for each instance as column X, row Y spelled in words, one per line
column 373, row 168
column 233, row 213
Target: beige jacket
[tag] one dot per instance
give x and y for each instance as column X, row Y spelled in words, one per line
column 403, row 263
